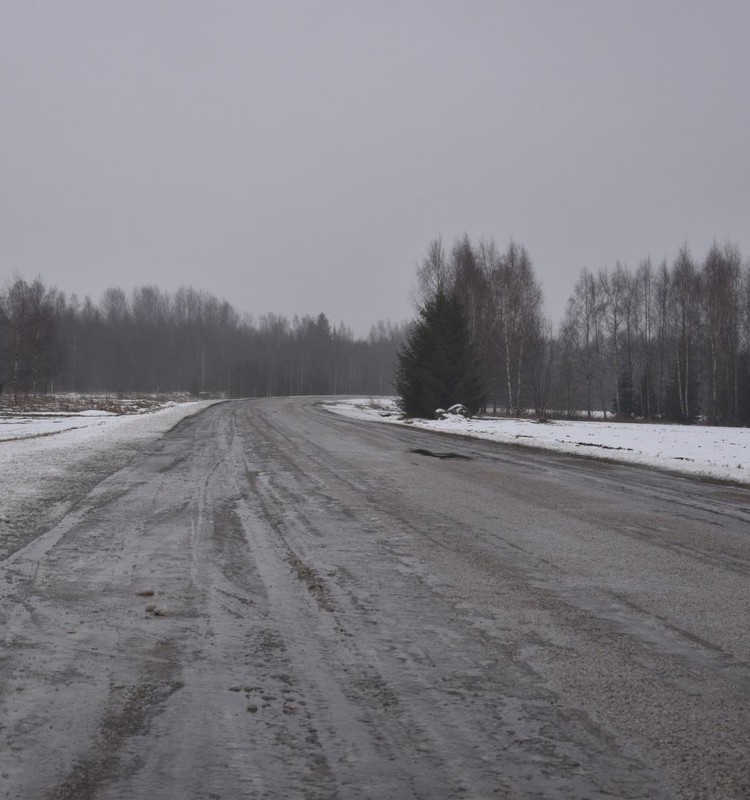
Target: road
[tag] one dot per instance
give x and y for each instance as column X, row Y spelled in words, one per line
column 349, row 610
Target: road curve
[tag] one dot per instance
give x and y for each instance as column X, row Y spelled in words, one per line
column 276, row 602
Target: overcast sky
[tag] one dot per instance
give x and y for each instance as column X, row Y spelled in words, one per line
column 294, row 157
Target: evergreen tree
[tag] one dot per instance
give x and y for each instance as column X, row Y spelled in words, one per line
column 437, row 366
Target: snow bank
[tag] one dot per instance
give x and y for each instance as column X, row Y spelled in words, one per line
column 693, row 449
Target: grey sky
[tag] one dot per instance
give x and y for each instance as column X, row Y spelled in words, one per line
column 298, row 156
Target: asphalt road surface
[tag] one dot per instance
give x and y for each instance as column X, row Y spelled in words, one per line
column 353, row 610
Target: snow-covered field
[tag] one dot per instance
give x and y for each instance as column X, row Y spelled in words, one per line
column 68, row 430
column 32, row 426
column 693, row 449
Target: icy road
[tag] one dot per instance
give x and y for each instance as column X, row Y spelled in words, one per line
column 272, row 601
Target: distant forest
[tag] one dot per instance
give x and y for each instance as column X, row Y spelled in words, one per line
column 663, row 342
column 189, row 341
column 668, row 342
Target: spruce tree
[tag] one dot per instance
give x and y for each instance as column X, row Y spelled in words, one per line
column 437, row 366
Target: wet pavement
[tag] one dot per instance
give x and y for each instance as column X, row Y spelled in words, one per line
column 272, row 601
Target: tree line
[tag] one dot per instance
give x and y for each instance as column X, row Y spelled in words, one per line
column 670, row 342
column 666, row 342
column 154, row 341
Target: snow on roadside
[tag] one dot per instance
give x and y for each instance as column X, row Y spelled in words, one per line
column 47, row 460
column 692, row 449
column 14, row 427
column 84, row 426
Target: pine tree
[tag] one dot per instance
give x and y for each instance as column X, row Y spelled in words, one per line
column 437, row 367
